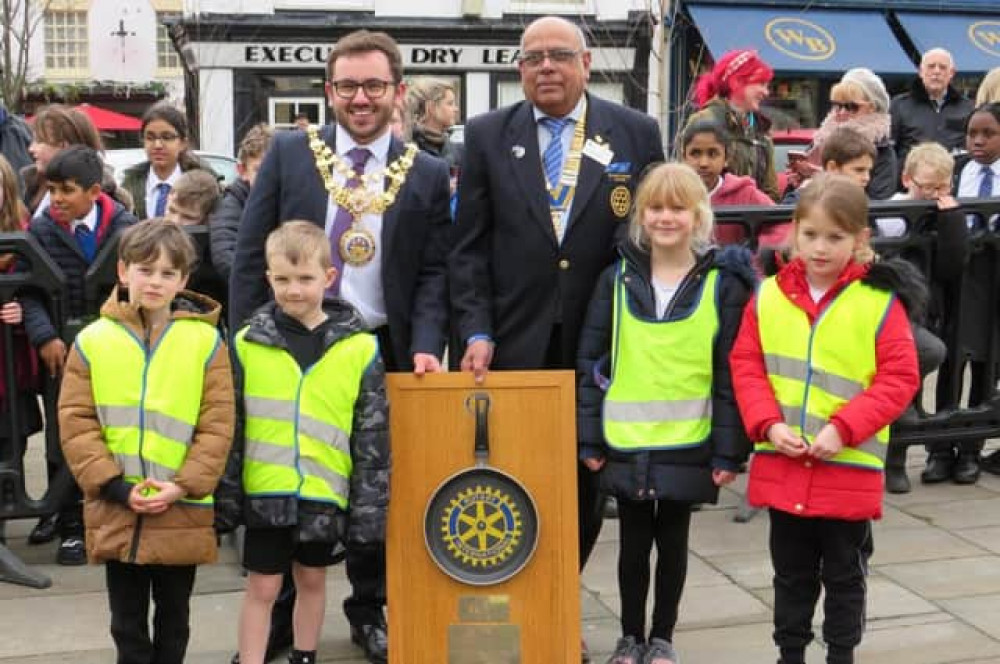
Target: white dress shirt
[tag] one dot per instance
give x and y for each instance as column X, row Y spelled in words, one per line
column 972, row 177
column 362, row 285
column 152, row 187
column 545, row 137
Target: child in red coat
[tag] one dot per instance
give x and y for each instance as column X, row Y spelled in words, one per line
column 823, row 363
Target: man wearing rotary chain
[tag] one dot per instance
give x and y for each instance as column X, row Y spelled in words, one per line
column 384, row 206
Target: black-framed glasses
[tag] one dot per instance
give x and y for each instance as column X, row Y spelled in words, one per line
column 558, row 56
column 374, row 88
column 932, row 188
column 162, row 138
column 849, row 106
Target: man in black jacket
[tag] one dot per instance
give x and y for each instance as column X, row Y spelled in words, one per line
column 932, row 110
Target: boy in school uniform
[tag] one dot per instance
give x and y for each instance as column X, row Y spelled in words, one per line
column 146, row 419
column 190, row 203
column 314, row 435
column 79, row 221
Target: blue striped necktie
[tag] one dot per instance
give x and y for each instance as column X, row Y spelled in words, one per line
column 986, row 184
column 552, row 158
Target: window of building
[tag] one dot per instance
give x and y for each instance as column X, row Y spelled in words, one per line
column 283, row 111
column 66, row 43
column 167, row 56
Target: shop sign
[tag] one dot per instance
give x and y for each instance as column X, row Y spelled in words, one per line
column 416, row 56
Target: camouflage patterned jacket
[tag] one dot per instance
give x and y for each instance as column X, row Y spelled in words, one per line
column 369, row 498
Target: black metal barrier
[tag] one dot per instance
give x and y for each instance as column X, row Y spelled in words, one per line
column 40, row 278
column 919, row 244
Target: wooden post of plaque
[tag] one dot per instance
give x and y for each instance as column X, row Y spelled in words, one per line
column 533, row 617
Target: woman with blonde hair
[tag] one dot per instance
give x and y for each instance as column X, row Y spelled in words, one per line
column 433, row 110
column 989, row 88
column 859, row 101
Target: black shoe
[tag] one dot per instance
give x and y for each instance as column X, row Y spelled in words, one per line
column 991, row 462
column 45, row 530
column 896, row 480
column 966, row 470
column 72, row 551
column 374, row 640
column 938, row 468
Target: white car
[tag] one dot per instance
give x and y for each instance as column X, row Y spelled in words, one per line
column 123, row 159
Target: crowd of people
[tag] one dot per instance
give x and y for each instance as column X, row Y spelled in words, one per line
column 241, row 382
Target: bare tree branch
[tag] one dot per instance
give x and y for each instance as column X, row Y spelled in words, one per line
column 23, row 18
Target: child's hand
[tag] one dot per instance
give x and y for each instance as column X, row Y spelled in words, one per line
column 722, row 477
column 594, row 464
column 53, row 354
column 786, row 441
column 947, row 202
column 826, row 444
column 10, row 313
column 156, row 496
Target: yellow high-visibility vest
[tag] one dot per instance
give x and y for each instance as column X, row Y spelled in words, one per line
column 298, row 424
column 148, row 399
column 661, row 375
column 815, row 370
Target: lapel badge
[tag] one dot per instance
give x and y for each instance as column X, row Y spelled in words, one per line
column 621, row 201
column 517, row 151
column 598, row 139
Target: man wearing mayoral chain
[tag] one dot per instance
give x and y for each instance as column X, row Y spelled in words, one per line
column 385, row 208
column 544, row 196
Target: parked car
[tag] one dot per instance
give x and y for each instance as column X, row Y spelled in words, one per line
column 785, row 141
column 123, row 159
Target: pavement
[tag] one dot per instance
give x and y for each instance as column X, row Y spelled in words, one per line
column 934, row 591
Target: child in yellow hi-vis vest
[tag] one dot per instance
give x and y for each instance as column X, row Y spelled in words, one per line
column 656, row 412
column 146, row 417
column 823, row 364
column 313, row 453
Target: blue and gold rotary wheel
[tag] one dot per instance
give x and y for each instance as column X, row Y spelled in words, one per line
column 481, row 528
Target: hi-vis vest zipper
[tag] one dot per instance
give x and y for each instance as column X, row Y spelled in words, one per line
column 660, row 396
column 815, row 370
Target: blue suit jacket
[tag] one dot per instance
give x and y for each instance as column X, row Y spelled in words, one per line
column 415, row 240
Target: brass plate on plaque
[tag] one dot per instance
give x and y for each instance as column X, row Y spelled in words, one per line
column 484, row 608
column 484, row 644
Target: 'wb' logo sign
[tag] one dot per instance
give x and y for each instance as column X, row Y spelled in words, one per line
column 986, row 36
column 800, row 39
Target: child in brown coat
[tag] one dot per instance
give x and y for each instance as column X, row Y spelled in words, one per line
column 146, row 416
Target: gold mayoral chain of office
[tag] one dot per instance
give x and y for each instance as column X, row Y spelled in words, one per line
column 357, row 244
column 561, row 194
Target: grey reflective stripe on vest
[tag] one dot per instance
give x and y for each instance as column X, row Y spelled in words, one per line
column 284, row 411
column 133, row 466
column 131, row 416
column 658, row 411
column 276, row 455
column 813, row 425
column 271, row 409
column 796, row 369
column 337, row 483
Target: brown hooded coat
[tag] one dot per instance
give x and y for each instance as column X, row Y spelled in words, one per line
column 183, row 534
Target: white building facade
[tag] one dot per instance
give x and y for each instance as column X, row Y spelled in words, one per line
column 90, row 50
column 250, row 61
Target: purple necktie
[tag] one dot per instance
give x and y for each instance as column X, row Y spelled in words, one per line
column 343, row 219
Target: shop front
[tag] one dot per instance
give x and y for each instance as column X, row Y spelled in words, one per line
column 242, row 71
column 810, row 45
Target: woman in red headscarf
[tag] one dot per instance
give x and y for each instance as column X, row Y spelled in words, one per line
column 730, row 95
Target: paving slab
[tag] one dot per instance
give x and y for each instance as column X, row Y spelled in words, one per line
column 947, row 579
column 987, row 538
column 903, row 545
column 982, row 612
column 960, row 513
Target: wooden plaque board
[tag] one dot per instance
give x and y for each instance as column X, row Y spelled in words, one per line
column 533, row 617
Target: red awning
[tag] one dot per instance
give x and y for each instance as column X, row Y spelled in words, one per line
column 107, row 120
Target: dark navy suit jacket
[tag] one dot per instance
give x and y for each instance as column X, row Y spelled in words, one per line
column 509, row 276
column 415, row 240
